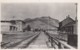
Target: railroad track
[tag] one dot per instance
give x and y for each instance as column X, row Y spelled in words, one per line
column 14, row 44
column 58, row 43
column 53, row 42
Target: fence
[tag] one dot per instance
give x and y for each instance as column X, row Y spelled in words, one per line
column 57, row 43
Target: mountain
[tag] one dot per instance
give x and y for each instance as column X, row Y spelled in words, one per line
column 48, row 20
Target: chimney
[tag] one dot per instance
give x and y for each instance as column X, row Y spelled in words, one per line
column 67, row 16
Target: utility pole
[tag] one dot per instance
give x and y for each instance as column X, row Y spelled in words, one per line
column 76, row 10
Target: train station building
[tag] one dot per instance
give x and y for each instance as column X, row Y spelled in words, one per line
column 69, row 27
column 11, row 25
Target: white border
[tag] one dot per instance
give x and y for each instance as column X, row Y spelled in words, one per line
column 45, row 1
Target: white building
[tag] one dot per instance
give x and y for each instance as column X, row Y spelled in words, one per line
column 5, row 25
column 12, row 25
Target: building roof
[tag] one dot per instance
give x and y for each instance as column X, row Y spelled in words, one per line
column 67, row 22
column 4, row 21
column 10, row 20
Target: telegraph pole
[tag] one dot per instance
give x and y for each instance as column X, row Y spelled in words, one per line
column 76, row 10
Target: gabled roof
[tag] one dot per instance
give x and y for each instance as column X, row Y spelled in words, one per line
column 67, row 18
column 67, row 21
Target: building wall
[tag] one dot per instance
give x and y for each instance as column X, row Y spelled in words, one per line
column 19, row 25
column 5, row 26
column 75, row 29
column 68, row 26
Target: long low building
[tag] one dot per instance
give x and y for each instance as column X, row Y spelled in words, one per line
column 11, row 25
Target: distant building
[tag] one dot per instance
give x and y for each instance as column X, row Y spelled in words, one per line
column 5, row 26
column 68, row 26
column 11, row 25
column 44, row 23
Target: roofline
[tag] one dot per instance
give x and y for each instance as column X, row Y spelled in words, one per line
column 10, row 20
column 66, row 18
column 69, row 23
column 4, row 21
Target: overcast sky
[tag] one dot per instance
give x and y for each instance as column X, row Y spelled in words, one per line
column 32, row 10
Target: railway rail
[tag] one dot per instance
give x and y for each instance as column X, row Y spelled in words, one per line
column 57, row 43
column 14, row 44
column 42, row 37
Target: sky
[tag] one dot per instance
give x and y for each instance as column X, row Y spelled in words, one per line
column 22, row 11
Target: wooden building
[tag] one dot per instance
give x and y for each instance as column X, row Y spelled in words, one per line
column 69, row 27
